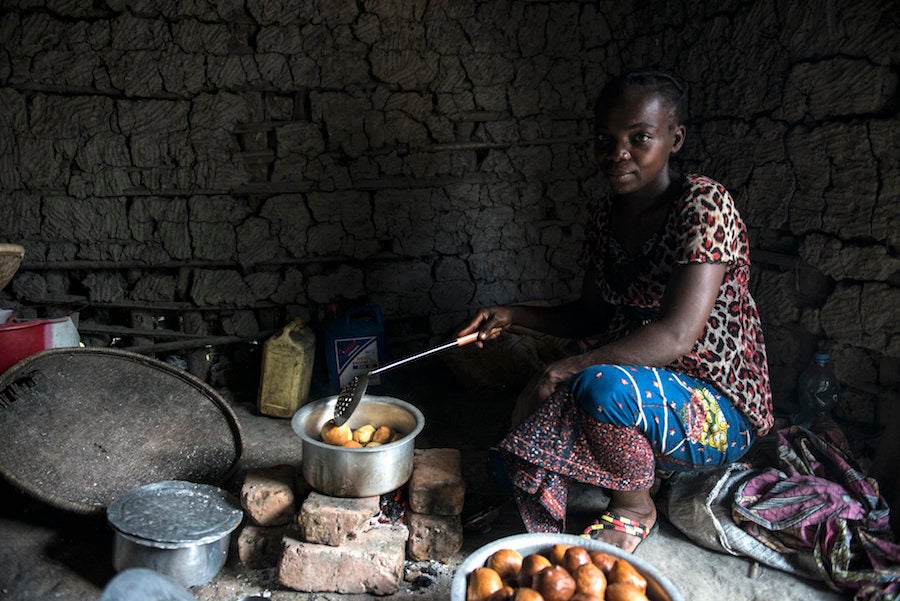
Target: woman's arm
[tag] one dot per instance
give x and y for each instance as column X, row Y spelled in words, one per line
column 587, row 315
column 684, row 310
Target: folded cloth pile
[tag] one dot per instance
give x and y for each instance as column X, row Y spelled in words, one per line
column 811, row 496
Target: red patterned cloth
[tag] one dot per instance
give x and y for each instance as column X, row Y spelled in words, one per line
column 555, row 446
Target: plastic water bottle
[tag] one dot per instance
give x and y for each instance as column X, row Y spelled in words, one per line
column 819, row 389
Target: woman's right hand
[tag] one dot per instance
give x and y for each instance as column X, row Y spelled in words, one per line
column 489, row 322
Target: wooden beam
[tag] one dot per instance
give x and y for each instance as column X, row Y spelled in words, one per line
column 181, row 345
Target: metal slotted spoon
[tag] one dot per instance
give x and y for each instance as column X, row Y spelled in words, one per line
column 353, row 391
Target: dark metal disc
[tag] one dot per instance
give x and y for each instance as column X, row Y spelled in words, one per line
column 79, row 426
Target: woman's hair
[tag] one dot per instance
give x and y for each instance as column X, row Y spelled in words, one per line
column 669, row 88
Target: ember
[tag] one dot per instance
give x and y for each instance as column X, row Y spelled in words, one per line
column 393, row 507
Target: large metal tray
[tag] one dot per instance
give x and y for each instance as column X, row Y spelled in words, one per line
column 78, row 426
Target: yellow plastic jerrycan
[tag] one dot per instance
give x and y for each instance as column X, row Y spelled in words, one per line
column 287, row 368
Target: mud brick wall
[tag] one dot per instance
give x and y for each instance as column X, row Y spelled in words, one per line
column 227, row 165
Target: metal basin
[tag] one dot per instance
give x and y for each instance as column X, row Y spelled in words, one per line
column 659, row 587
column 365, row 472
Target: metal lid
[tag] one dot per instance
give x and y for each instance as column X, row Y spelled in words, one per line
column 174, row 513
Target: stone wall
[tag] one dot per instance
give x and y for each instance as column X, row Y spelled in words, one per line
column 213, row 169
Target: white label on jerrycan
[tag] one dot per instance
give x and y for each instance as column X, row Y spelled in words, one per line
column 356, row 356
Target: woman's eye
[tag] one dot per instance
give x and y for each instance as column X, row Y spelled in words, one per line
column 642, row 138
column 602, row 140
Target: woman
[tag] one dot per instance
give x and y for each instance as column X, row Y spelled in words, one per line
column 680, row 381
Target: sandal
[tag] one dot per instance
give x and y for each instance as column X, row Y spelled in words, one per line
column 619, row 523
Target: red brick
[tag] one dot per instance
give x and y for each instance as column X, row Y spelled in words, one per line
column 333, row 520
column 268, row 495
column 371, row 563
column 434, row 537
column 260, row 546
column 437, row 486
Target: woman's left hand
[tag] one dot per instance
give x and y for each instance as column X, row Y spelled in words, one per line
column 558, row 372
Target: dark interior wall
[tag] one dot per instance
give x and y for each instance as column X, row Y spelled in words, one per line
column 238, row 163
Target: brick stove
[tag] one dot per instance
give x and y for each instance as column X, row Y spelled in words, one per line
column 320, row 543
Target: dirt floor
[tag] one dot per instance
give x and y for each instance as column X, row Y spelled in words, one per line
column 48, row 553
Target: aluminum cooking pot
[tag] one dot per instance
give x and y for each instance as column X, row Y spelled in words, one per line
column 179, row 529
column 365, row 472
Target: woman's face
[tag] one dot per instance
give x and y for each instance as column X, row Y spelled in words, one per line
column 635, row 134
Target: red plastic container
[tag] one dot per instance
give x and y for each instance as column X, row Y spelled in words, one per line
column 21, row 339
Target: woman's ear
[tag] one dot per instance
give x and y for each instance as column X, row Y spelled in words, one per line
column 678, row 133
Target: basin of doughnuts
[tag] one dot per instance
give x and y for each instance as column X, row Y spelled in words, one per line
column 557, row 567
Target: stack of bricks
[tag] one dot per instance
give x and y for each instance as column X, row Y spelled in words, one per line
column 269, row 499
column 436, row 495
column 338, row 545
column 340, row 548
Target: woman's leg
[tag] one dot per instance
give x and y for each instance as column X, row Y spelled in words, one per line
column 556, row 446
column 526, row 403
column 636, row 505
column 688, row 425
column 627, row 453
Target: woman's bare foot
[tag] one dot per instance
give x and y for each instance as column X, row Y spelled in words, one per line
column 638, row 514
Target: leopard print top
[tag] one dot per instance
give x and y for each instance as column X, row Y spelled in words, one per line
column 703, row 226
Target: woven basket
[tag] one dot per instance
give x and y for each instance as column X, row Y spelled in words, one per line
column 79, row 426
column 10, row 259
